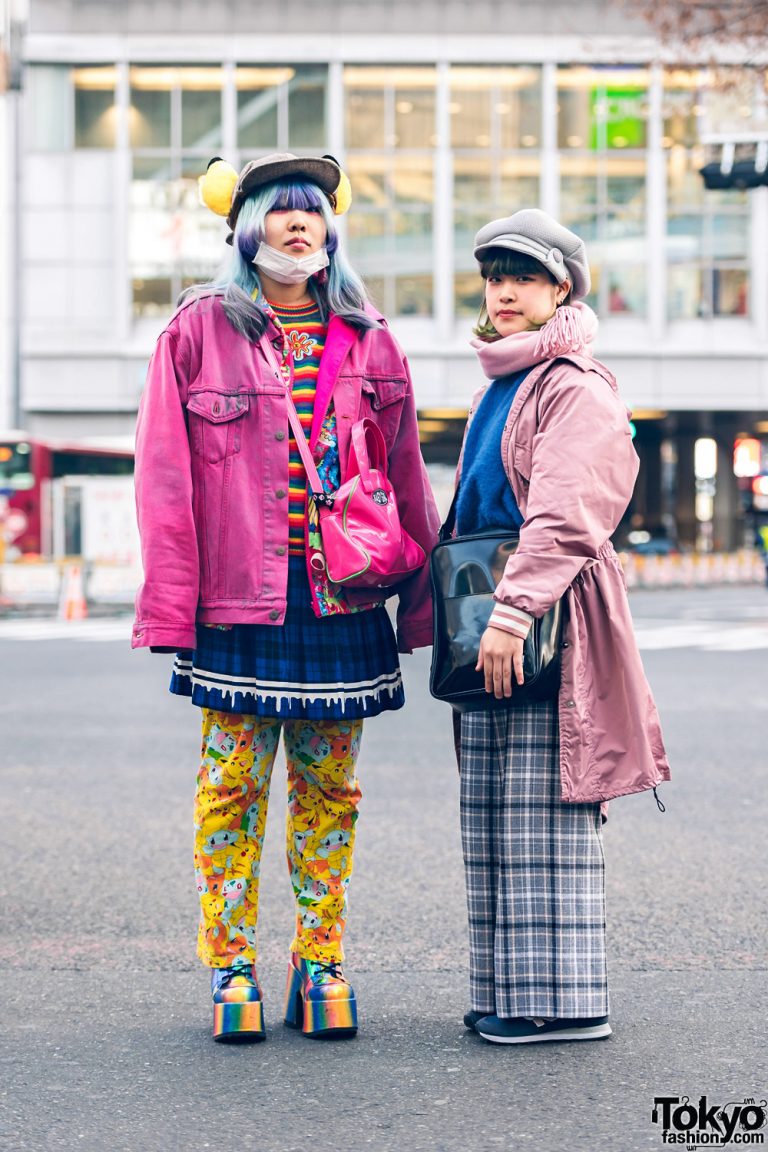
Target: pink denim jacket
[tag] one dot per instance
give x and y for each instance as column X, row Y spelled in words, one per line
column 212, row 472
column 568, row 454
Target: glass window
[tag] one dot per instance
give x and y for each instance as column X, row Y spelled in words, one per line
column 602, row 108
column 484, row 191
column 496, row 107
column 415, row 117
column 48, row 108
column 306, row 108
column 390, row 107
column 152, row 297
column 172, row 240
column 390, row 126
column 70, row 106
column 201, row 107
column 495, row 132
column 602, row 132
column 281, row 107
column 707, row 230
column 150, row 110
column 95, row 114
column 390, row 231
column 257, row 96
column 365, row 118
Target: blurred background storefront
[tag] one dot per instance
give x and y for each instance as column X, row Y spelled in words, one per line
column 124, row 104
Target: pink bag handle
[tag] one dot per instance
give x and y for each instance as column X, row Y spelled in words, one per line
column 367, row 451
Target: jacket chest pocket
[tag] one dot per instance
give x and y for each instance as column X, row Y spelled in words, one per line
column 382, row 400
column 216, row 424
column 523, row 464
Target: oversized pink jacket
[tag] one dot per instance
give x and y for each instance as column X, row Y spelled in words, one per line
column 212, row 471
column 568, row 453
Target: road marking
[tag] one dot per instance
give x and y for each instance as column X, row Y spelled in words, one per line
column 112, row 628
column 735, row 637
column 652, row 635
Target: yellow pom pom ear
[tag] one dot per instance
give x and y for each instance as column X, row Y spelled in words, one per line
column 342, row 196
column 217, row 185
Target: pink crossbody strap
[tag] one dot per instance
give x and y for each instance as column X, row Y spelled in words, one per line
column 315, row 483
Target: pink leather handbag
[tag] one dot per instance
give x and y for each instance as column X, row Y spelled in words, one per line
column 364, row 543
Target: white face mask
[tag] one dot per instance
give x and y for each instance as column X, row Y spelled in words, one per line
column 289, row 269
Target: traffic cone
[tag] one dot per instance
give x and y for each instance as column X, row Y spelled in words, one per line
column 72, row 605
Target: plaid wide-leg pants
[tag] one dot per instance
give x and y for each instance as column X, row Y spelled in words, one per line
column 534, row 872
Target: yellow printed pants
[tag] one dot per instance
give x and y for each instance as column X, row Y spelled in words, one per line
column 238, row 753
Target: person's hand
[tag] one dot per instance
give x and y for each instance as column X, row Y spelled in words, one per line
column 500, row 659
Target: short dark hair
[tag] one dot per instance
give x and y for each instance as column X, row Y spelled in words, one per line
column 506, row 262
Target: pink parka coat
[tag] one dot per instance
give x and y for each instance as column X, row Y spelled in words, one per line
column 568, row 453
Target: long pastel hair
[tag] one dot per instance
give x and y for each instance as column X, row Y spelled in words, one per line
column 337, row 290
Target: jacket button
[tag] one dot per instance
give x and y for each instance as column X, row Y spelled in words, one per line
column 280, row 550
column 216, row 408
column 280, row 435
column 280, row 493
column 570, row 703
column 274, row 614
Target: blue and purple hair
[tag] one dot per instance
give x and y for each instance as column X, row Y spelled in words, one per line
column 339, row 291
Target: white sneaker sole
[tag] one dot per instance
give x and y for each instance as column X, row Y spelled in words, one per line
column 598, row 1032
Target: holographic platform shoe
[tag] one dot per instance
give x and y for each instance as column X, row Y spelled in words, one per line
column 319, row 1000
column 238, row 1014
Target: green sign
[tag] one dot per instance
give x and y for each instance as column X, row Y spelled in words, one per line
column 617, row 118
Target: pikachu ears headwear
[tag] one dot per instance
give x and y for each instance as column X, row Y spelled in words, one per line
column 223, row 191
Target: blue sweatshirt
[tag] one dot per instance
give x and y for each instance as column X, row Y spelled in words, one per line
column 485, row 499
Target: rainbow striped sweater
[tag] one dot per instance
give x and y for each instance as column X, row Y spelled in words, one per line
column 304, row 338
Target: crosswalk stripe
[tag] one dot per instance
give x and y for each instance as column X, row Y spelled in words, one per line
column 655, row 635
column 702, row 634
column 118, row 628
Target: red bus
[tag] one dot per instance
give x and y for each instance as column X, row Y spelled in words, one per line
column 28, row 467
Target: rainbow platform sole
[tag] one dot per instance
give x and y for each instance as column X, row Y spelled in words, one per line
column 238, row 1023
column 323, row 1011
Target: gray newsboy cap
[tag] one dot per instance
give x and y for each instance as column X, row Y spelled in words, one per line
column 536, row 234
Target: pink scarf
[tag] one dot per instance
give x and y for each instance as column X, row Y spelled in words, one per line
column 572, row 329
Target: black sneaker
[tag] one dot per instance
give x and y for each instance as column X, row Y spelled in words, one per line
column 471, row 1018
column 520, row 1030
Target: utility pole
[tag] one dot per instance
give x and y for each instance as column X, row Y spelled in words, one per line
column 12, row 29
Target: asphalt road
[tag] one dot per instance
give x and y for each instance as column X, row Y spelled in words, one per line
column 105, row 1011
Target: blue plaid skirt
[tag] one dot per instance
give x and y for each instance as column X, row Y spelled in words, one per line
column 310, row 668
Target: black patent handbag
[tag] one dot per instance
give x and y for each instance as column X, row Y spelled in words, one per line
column 465, row 571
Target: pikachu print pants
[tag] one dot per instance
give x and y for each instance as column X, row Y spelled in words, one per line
column 238, row 753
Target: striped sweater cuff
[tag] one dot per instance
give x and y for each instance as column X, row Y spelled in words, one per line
column 511, row 619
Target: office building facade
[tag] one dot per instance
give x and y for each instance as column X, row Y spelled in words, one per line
column 443, row 117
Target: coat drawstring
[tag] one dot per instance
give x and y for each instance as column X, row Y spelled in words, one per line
column 659, row 804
